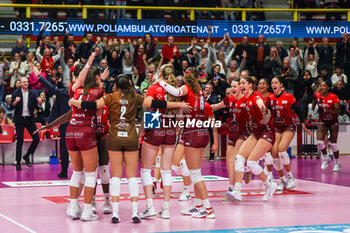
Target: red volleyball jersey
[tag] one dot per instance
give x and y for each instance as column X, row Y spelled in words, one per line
column 255, row 113
column 281, row 108
column 322, row 102
column 238, row 116
column 84, row 116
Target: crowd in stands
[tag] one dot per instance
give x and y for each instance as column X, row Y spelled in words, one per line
column 217, row 64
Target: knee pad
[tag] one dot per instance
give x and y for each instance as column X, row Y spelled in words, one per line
column 146, row 177
column 184, row 168
column 239, row 163
column 176, row 169
column 254, row 167
column 277, row 163
column 268, row 158
column 284, row 157
column 82, row 179
column 75, row 179
column 196, row 175
column 334, row 147
column 321, row 145
column 133, row 187
column 158, row 159
column 166, row 177
column 115, row 187
column 104, row 173
column 90, row 179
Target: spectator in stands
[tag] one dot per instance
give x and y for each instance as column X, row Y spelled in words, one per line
column 298, row 51
column 311, row 45
column 56, row 78
column 260, row 51
column 127, row 64
column 24, row 101
column 86, row 46
column 72, row 13
column 202, row 76
column 190, row 57
column 139, row 57
column 272, row 65
column 152, row 54
column 325, row 73
column 245, row 46
column 6, row 105
column 170, row 50
column 247, row 4
column 339, row 76
column 316, row 85
column 233, row 72
column 339, row 90
column 205, row 59
column 220, row 87
column 215, row 72
column 20, row 49
column 294, row 60
column 3, row 68
column 3, row 119
column 28, row 63
column 34, row 83
column 332, row 4
column 17, row 69
column 66, row 67
column 282, row 53
column 109, row 13
column 289, row 77
column 44, row 111
column 180, row 69
column 100, row 52
column 147, row 82
column 326, row 55
column 226, row 44
column 70, row 49
column 311, row 60
column 44, row 42
column 343, row 53
column 47, row 61
column 135, row 76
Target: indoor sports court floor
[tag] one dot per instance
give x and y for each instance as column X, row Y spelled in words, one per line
column 34, row 200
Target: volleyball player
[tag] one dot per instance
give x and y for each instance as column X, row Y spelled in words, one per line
column 238, row 132
column 328, row 109
column 123, row 139
column 260, row 140
column 282, row 105
column 154, row 139
column 82, row 143
column 195, row 140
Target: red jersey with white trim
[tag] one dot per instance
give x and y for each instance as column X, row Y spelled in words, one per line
column 201, row 110
column 84, row 116
column 238, row 116
column 101, row 122
column 255, row 113
column 329, row 101
column 281, row 108
column 157, row 92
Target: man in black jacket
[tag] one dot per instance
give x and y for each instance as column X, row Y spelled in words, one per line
column 343, row 54
column 245, row 46
column 24, row 101
column 84, row 48
column 326, row 56
column 59, row 108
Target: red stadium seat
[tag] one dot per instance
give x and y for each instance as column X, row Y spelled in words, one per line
column 7, row 136
column 28, row 138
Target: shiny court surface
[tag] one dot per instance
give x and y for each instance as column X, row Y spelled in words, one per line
column 320, row 197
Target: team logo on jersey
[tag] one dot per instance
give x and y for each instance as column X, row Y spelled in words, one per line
column 151, row 120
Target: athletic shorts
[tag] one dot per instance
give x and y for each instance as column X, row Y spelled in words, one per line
column 124, row 142
column 232, row 139
column 329, row 124
column 282, row 128
column 198, row 138
column 80, row 138
column 263, row 133
column 158, row 137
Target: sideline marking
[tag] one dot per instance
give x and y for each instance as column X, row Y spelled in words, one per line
column 17, row 223
column 45, row 183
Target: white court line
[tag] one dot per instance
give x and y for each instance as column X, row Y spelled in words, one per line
column 17, row 223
